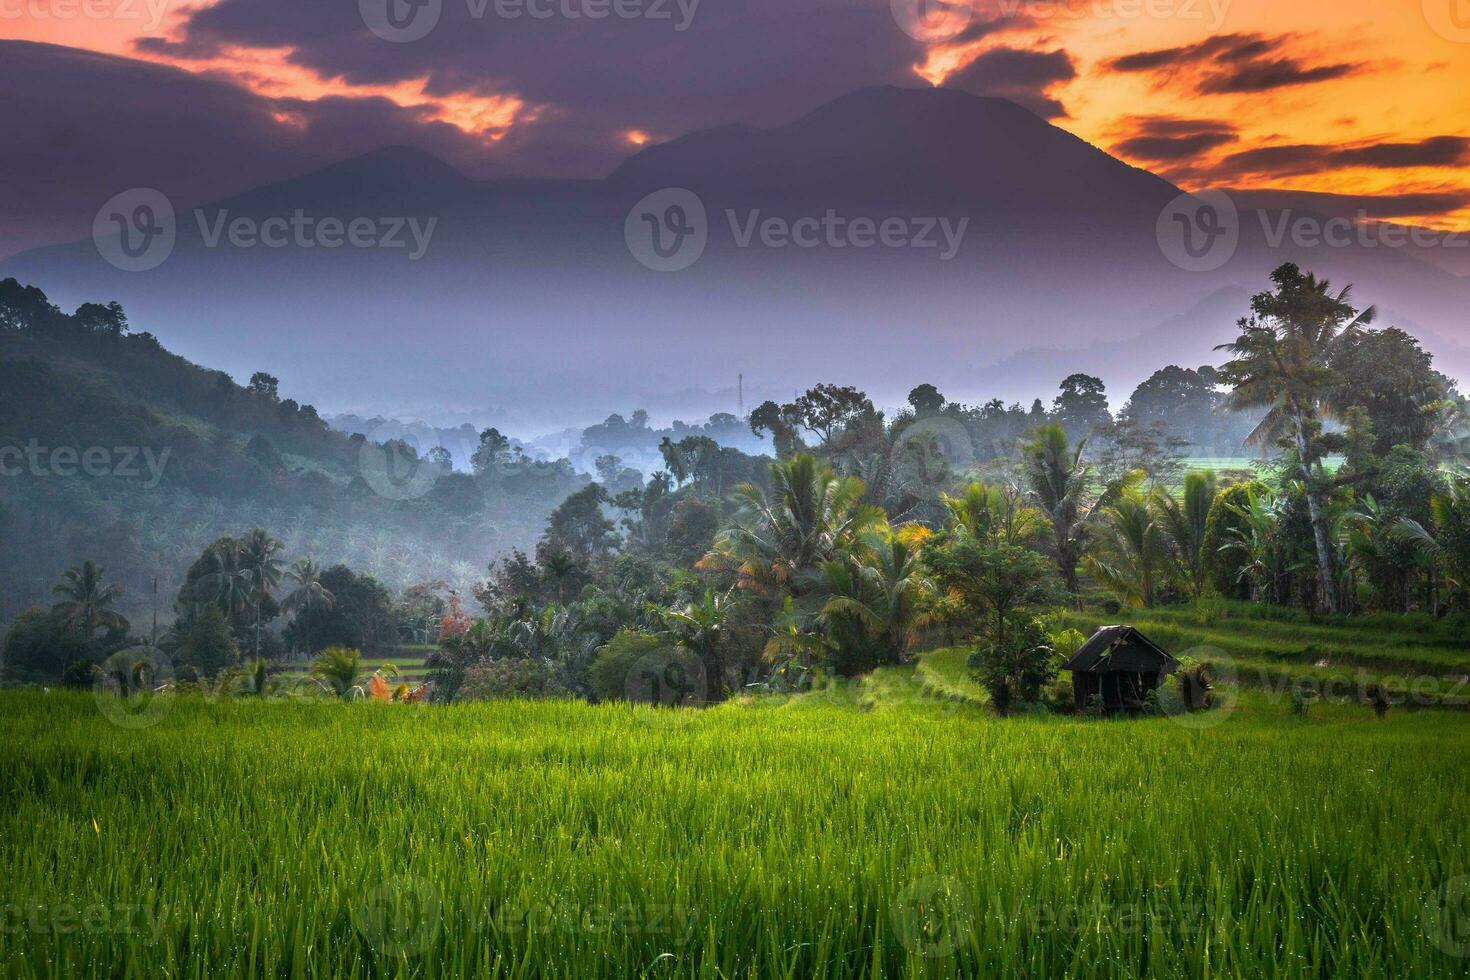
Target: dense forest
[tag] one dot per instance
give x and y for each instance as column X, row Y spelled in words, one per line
column 870, row 534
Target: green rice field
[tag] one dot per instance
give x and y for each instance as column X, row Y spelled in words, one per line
column 887, row 828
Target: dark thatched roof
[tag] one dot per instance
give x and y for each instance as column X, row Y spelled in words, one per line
column 1117, row 648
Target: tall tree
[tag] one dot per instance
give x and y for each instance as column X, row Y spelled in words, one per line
column 261, row 564
column 1082, row 405
column 1184, row 519
column 779, row 540
column 1282, row 362
column 85, row 603
column 1058, row 480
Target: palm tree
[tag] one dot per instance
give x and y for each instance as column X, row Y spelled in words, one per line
column 262, row 568
column 227, row 582
column 1058, row 479
column 1266, row 563
column 1183, row 519
column 700, row 628
column 308, row 593
column 990, row 512
column 880, row 589
column 1282, row 362
column 336, row 669
column 85, row 603
column 1446, row 545
column 779, row 541
column 1132, row 549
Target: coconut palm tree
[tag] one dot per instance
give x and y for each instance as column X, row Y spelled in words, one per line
column 778, row 541
column 1059, row 481
column 261, row 566
column 1445, row 546
column 1183, row 519
column 700, row 628
column 226, row 582
column 878, row 592
column 1282, row 362
column 1257, row 538
column 307, row 594
column 85, row 602
column 1131, row 552
column 989, row 512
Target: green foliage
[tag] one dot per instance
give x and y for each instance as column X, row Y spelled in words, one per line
column 40, row 645
column 1017, row 665
column 617, row 659
column 200, row 640
column 337, row 668
column 1224, row 525
column 531, row 679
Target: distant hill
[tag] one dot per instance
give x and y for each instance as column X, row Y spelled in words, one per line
column 527, row 297
column 112, row 448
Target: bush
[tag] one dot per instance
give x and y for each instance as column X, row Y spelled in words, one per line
column 617, row 659
column 1224, row 566
column 1017, row 671
column 530, row 678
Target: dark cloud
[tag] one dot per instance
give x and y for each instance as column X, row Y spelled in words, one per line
column 1024, row 77
column 1230, row 64
column 1172, row 139
column 760, row 62
column 84, row 126
column 1308, row 158
column 1263, row 76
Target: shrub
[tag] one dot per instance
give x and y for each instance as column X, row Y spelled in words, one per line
column 1017, row 669
column 617, row 659
column 1224, row 566
column 530, row 678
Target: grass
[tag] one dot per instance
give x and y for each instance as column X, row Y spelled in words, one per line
column 880, row 828
column 1272, row 649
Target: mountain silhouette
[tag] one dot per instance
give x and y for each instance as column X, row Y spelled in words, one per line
column 528, row 299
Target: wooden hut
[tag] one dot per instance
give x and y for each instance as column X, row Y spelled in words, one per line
column 1119, row 666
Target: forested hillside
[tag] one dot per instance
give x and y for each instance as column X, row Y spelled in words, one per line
column 114, row 449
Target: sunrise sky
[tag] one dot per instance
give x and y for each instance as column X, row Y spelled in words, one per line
column 1369, row 98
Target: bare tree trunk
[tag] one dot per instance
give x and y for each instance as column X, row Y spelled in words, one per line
column 1326, row 557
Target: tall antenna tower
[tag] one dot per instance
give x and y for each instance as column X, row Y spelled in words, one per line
column 741, row 396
